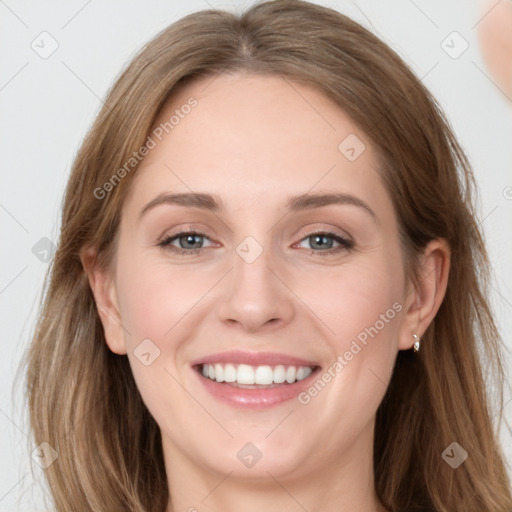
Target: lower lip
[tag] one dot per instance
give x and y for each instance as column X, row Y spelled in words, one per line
column 255, row 398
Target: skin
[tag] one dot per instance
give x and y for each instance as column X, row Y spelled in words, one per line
column 495, row 36
column 254, row 141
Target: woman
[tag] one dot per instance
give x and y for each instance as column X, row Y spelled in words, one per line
column 318, row 345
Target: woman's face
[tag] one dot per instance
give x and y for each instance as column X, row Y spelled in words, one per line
column 293, row 266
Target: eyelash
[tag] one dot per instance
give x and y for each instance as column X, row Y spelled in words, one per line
column 344, row 243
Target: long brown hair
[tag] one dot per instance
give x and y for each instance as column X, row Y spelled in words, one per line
column 83, row 400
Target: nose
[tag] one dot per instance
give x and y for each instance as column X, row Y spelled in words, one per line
column 256, row 296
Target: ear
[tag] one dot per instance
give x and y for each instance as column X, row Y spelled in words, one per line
column 424, row 299
column 103, row 288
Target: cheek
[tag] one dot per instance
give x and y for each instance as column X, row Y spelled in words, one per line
column 369, row 311
column 362, row 305
column 363, row 308
column 357, row 301
column 155, row 297
column 156, row 303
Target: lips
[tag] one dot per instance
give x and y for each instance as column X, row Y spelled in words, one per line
column 254, row 359
column 254, row 380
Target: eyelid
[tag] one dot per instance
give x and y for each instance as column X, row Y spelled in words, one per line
column 184, row 229
column 334, row 232
column 166, row 239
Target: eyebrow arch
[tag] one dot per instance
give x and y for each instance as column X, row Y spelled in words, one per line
column 294, row 203
column 190, row 200
column 306, row 201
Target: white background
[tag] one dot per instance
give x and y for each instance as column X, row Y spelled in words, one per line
column 46, row 106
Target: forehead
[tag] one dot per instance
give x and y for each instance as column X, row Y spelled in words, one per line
column 248, row 135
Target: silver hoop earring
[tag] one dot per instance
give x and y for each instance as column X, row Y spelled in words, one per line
column 416, row 343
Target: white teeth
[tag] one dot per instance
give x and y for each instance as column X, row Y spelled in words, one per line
column 279, row 374
column 303, row 372
column 219, row 373
column 264, row 375
column 245, row 374
column 229, row 373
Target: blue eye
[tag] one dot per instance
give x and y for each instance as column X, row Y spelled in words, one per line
column 323, row 241
column 190, row 242
column 185, row 240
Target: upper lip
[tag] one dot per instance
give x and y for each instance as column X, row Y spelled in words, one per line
column 253, row 359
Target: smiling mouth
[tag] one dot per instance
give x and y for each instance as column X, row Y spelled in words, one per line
column 246, row 376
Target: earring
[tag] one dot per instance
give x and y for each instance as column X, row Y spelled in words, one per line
column 416, row 343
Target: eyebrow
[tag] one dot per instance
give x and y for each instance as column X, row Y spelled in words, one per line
column 294, row 203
